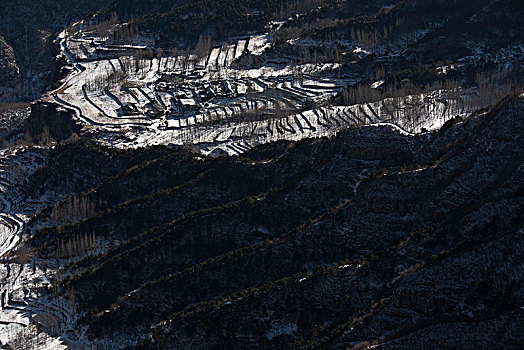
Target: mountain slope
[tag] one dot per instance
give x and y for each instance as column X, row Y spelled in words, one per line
column 314, row 244
column 269, row 174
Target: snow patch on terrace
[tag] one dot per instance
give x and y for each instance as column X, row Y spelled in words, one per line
column 377, row 84
column 138, row 110
column 361, row 51
column 259, row 44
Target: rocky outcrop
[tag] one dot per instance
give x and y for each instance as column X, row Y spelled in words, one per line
column 10, row 82
column 50, row 122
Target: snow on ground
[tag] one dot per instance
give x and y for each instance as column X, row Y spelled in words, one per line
column 377, row 84
column 241, row 45
column 257, row 45
column 20, row 302
column 361, row 51
column 238, row 137
column 6, row 235
column 222, row 97
column 23, row 308
column 10, row 230
column 213, row 57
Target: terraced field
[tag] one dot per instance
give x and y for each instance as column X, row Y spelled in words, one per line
column 217, row 107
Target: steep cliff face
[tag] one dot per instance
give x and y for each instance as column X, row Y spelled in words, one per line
column 10, row 78
column 50, row 122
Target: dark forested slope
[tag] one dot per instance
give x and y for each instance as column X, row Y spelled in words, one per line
column 371, row 236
